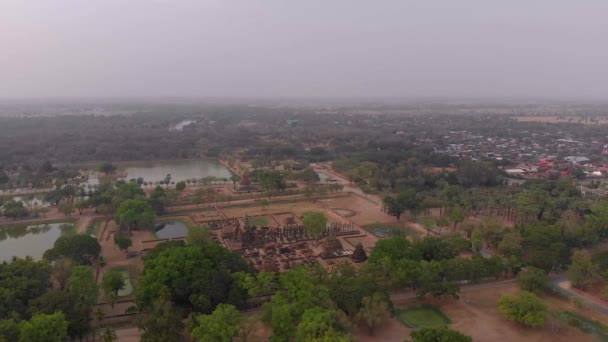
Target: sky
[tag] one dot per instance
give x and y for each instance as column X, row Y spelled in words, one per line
column 310, row 48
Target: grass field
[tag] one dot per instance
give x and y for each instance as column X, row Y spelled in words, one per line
column 259, row 221
column 422, row 316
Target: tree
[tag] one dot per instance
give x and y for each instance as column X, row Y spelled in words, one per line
column 22, row 280
column 525, row 308
column 235, row 179
column 112, row 282
column 583, row 272
column 109, row 335
column 511, row 244
column 134, row 214
column 158, row 200
column 180, row 186
column 375, row 310
column 123, row 242
column 532, row 279
column 14, row 209
column 79, row 247
column 199, row 236
column 66, row 209
column 456, row 215
column 161, row 323
column 318, row 324
column 9, row 330
column 82, row 284
column 67, row 303
column 439, row 335
column 315, row 223
column 81, row 205
column 393, row 207
column 105, row 167
column 44, row 328
column 221, row 325
column 189, row 273
column 62, row 269
column 476, row 242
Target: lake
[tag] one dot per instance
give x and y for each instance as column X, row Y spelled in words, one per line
column 22, row 240
column 179, row 170
column 170, row 230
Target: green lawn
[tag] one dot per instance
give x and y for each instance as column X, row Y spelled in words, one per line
column 422, row 316
column 259, row 222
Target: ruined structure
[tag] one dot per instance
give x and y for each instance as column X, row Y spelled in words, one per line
column 359, row 254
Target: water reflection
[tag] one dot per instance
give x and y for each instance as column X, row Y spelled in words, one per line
column 22, row 239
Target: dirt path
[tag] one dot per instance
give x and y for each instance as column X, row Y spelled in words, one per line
column 562, row 283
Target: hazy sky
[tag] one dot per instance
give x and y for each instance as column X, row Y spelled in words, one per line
column 268, row 48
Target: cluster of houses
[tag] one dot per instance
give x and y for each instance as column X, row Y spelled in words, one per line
column 533, row 155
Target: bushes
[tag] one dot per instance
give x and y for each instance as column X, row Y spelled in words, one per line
column 525, row 308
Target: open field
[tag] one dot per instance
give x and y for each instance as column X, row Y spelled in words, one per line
column 422, row 316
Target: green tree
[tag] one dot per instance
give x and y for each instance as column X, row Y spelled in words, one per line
column 319, row 324
column 476, row 242
column 82, row 284
column 532, row 279
column 525, row 308
column 375, row 310
column 123, row 242
column 161, row 322
column 105, row 167
column 180, row 186
column 456, row 215
column 44, row 328
column 81, row 248
column 221, row 325
column 511, row 244
column 109, row 335
column 439, row 335
column 9, row 330
column 583, row 272
column 393, row 207
column 199, row 236
column 158, row 200
column 14, row 209
column 66, row 209
column 22, row 280
column 202, row 277
column 68, row 303
column 112, row 282
column 134, row 214
column 315, row 223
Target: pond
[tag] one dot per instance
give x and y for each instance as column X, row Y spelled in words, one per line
column 22, row 240
column 179, row 170
column 170, row 230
